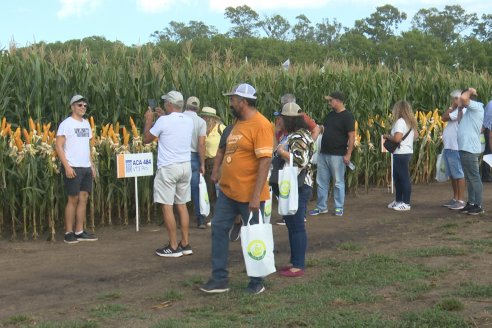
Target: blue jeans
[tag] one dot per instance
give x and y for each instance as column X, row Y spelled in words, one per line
column 470, row 164
column 330, row 166
column 297, row 229
column 226, row 210
column 401, row 177
column 195, row 191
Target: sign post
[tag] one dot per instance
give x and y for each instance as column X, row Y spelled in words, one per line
column 135, row 165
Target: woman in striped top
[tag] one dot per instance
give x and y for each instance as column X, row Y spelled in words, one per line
column 300, row 144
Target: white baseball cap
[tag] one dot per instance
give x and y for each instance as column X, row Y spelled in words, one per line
column 77, row 98
column 174, row 97
column 243, row 90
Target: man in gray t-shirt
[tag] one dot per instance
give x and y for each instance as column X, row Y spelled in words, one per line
column 197, row 155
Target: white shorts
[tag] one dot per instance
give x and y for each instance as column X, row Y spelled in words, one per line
column 172, row 184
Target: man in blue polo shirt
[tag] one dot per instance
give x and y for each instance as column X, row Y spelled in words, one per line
column 470, row 149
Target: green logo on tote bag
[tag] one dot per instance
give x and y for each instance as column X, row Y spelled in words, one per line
column 257, row 250
column 268, row 209
column 284, row 189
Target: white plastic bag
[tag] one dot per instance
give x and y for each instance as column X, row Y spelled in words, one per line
column 441, row 168
column 203, row 197
column 268, row 208
column 257, row 245
column 288, row 200
column 317, row 149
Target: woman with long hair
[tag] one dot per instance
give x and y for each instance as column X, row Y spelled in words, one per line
column 215, row 128
column 403, row 131
column 300, row 144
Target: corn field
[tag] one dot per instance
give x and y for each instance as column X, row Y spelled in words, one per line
column 35, row 88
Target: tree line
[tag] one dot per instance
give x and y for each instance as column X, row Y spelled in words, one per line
column 452, row 37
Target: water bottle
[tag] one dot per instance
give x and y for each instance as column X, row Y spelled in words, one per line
column 351, row 166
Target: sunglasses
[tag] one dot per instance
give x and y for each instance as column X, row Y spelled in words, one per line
column 81, row 105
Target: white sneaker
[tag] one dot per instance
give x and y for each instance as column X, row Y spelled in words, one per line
column 393, row 204
column 402, row 207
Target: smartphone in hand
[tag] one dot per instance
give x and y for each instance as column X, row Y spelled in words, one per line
column 152, row 103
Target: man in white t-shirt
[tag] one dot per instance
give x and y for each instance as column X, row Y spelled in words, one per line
column 173, row 176
column 74, row 150
column 197, row 155
column 451, row 154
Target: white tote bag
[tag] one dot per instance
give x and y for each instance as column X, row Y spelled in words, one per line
column 257, row 245
column 317, row 149
column 288, row 200
column 268, row 208
column 441, row 168
column 203, row 196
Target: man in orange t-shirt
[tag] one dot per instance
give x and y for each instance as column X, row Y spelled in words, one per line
column 243, row 183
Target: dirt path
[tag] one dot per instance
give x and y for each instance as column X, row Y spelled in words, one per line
column 53, row 280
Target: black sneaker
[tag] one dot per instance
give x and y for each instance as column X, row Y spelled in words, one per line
column 467, row 207
column 85, row 236
column 167, row 251
column 476, row 210
column 235, row 231
column 186, row 250
column 70, row 238
column 255, row 288
column 214, row 287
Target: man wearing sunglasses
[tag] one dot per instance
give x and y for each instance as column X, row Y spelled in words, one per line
column 73, row 149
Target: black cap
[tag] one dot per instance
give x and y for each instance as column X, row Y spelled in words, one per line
column 336, row 95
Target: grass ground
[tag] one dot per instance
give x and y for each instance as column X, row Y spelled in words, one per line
column 429, row 267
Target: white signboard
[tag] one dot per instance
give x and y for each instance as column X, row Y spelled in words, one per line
column 134, row 165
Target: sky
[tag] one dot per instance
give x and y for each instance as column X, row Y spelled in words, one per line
column 133, row 21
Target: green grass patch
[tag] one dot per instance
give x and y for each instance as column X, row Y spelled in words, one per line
column 480, row 245
column 432, row 318
column 348, row 246
column 170, row 295
column 479, row 242
column 193, row 281
column 321, row 302
column 68, row 324
column 449, row 226
column 111, row 296
column 168, row 323
column 435, row 251
column 413, row 290
column 450, row 304
column 108, row 310
column 471, row 290
column 313, row 262
column 19, row 320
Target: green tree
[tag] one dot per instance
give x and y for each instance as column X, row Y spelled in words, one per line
column 245, row 21
column 447, row 25
column 416, row 47
column 472, row 54
column 483, row 29
column 355, row 46
column 380, row 26
column 178, row 31
column 276, row 27
column 302, row 30
column 326, row 32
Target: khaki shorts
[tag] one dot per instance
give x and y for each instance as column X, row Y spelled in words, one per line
column 172, row 184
